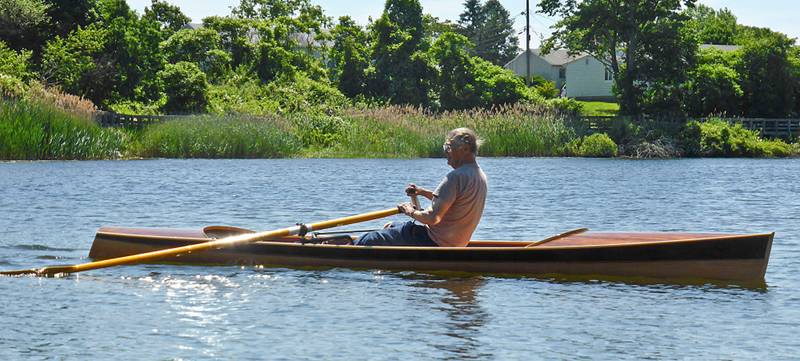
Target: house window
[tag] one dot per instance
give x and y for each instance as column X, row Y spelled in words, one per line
column 609, row 75
column 562, row 73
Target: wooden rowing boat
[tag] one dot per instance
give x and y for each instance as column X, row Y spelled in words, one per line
column 711, row 256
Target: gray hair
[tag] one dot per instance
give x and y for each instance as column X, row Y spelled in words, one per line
column 461, row 136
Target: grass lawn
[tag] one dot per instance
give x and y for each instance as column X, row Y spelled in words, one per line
column 599, row 108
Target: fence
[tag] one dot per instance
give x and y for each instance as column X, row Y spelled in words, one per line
column 111, row 119
column 768, row 127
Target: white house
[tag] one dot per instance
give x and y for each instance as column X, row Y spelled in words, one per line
column 580, row 76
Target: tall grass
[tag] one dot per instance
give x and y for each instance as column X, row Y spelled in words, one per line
column 214, row 137
column 33, row 130
column 521, row 130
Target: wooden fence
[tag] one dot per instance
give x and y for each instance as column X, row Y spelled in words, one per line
column 768, row 127
column 111, row 119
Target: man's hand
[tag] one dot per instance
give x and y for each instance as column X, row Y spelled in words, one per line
column 406, row 208
column 413, row 189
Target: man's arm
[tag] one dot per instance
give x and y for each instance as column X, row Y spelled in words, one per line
column 413, row 189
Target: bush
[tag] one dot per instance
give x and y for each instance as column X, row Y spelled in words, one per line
column 289, row 94
column 714, row 89
column 718, row 138
column 597, row 145
column 186, row 87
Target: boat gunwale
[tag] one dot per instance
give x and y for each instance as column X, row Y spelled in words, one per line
column 520, row 248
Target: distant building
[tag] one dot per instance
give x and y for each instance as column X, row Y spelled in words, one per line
column 579, row 76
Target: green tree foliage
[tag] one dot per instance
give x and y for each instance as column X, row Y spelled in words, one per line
column 402, row 71
column 186, row 87
column 169, row 17
column 466, row 81
column 499, row 43
column 767, row 80
column 712, row 26
column 714, row 89
column 68, row 15
column 201, row 46
column 456, row 80
column 77, row 63
column 350, row 55
column 237, row 37
column 21, row 22
column 490, row 28
column 656, row 52
column 471, row 20
column 14, row 63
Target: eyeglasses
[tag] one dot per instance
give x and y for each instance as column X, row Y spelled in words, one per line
column 446, row 147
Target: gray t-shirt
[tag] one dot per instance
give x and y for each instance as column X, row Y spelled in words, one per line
column 461, row 197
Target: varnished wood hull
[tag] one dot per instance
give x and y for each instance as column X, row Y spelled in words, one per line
column 741, row 258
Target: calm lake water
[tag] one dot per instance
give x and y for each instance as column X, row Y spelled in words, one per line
column 49, row 212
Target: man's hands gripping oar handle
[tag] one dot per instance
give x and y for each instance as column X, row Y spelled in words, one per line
column 217, row 244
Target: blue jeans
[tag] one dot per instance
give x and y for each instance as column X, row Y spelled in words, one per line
column 398, row 234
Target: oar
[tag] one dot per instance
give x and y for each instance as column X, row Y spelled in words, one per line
column 558, row 236
column 217, row 244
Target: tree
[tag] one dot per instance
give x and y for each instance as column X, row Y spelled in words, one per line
column 169, row 17
column 402, row 71
column 186, row 88
column 491, row 29
column 767, row 80
column 648, row 34
column 456, row 80
column 68, row 15
column 465, row 81
column 78, row 64
column 237, row 37
column 498, row 43
column 14, row 63
column 350, row 56
column 714, row 89
column 712, row 26
column 471, row 20
column 21, row 21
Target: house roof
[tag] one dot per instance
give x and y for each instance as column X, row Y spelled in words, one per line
column 556, row 57
column 720, row 47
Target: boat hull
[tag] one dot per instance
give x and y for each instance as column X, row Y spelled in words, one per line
column 660, row 255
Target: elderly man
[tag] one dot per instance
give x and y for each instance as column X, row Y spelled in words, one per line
column 456, row 204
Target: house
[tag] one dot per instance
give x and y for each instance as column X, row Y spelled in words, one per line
column 579, row 76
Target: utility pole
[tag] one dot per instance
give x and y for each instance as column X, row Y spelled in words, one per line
column 528, row 42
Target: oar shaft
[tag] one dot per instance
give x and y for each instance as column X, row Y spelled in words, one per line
column 221, row 243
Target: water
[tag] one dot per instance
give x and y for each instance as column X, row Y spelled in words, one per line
column 49, row 212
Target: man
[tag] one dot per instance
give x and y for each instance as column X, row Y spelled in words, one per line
column 456, row 204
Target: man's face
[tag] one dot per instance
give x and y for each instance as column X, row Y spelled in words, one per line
column 455, row 152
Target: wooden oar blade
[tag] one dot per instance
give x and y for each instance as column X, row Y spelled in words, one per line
column 558, row 236
column 51, row 271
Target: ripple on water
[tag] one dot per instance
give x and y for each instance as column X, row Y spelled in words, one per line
column 173, row 312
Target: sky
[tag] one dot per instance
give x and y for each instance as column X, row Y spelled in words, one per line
column 779, row 15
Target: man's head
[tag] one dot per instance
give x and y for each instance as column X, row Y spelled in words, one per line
column 461, row 146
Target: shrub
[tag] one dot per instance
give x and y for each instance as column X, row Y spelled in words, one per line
column 186, row 87
column 597, row 145
column 718, row 138
column 714, row 89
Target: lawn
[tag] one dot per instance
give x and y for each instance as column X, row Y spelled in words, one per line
column 591, row 108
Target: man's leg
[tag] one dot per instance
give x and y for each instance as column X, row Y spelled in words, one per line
column 397, row 234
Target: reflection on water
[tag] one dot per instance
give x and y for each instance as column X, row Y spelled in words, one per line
column 458, row 300
column 50, row 211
